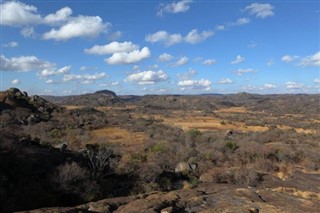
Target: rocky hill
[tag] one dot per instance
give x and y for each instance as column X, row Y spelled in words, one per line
column 99, row 98
column 29, row 109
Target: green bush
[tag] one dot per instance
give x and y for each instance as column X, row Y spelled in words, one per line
column 231, row 145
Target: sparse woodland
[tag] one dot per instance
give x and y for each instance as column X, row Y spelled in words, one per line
column 65, row 155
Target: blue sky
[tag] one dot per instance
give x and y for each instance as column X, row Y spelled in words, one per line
column 160, row 47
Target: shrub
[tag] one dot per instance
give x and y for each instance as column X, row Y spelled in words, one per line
column 230, row 146
column 159, row 147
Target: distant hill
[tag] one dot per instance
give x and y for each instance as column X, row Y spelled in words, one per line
column 99, row 98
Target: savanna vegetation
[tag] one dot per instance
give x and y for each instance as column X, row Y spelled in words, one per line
column 68, row 154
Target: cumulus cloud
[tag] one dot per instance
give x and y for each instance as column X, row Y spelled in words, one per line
column 289, row 58
column 15, row 81
column 129, row 57
column 174, row 7
column 182, row 61
column 260, row 10
column 242, row 71
column 187, row 75
column 168, row 39
column 209, row 61
column 58, row 17
column 111, row 48
column 269, row 86
column 239, row 59
column 165, row 57
column 11, row 44
column 50, row 72
column 81, row 26
column 194, row 36
column 24, row 64
column 86, row 79
column 225, row 81
column 147, row 77
column 15, row 13
column 312, row 60
column 202, row 84
column 293, row 85
column 164, row 37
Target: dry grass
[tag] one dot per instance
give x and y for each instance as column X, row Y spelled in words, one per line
column 120, row 137
column 298, row 193
column 210, row 123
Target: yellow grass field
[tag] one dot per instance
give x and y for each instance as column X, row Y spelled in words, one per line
column 119, row 137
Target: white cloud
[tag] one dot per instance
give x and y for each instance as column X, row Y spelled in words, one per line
column 240, row 21
column 129, row 57
column 11, row 44
column 317, row 80
column 113, row 47
column 288, row 58
column 182, row 61
column 28, row 32
column 293, row 85
column 81, row 26
column 87, row 78
column 147, row 77
column 270, row 62
column 58, row 17
column 220, row 27
column 238, row 60
column 86, row 68
column 50, row 81
column 209, row 61
column 225, row 81
column 168, row 39
column 194, row 36
column 14, row 13
column 174, row 7
column 269, row 86
column 164, row 37
column 50, row 72
column 165, row 57
column 23, row 64
column 312, row 60
column 242, row 71
column 202, row 84
column 15, row 81
column 260, row 10
column 187, row 75
column 136, row 67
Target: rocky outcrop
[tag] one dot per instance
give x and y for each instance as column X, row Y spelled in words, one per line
column 31, row 109
column 206, row 197
column 184, row 167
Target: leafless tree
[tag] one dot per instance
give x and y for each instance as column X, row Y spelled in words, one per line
column 99, row 160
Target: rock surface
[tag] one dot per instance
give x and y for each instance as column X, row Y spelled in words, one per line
column 272, row 197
